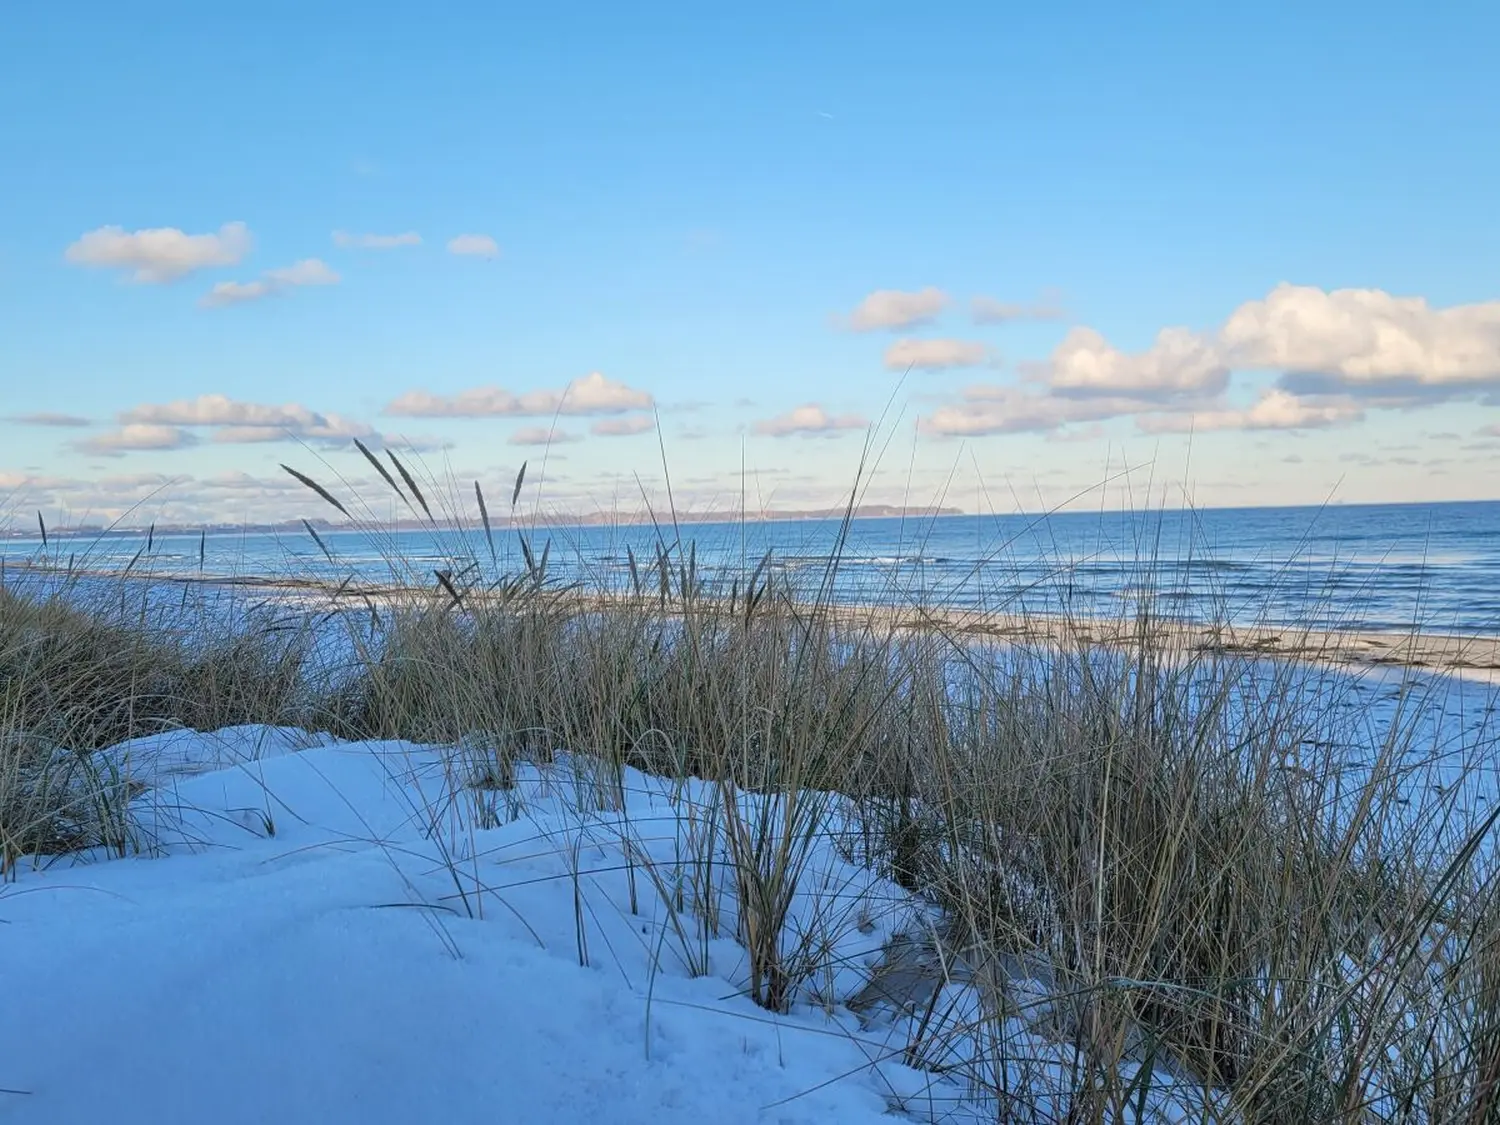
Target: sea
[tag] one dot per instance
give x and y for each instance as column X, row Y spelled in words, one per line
column 1435, row 567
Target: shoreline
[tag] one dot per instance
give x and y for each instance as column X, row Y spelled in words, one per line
column 1471, row 656
column 564, row 520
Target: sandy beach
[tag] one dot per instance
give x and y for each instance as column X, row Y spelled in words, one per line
column 1474, row 656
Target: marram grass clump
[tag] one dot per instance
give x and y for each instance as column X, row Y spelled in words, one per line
column 84, row 669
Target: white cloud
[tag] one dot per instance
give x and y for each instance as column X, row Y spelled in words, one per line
column 47, row 418
column 251, row 435
column 592, row 394
column 309, row 271
column 895, row 308
column 346, row 241
column 143, row 497
column 1339, row 353
column 241, row 423
column 218, row 410
column 935, row 355
column 1365, row 336
column 315, row 427
column 541, row 435
column 1276, row 409
column 138, row 437
column 225, row 293
column 1179, row 362
column 984, row 410
column 624, row 427
column 988, row 310
column 12, row 481
column 160, row 254
column 1010, row 410
column 809, row 419
column 476, row 245
column 1396, row 351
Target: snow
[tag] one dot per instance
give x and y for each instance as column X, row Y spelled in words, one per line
column 324, row 931
column 293, row 946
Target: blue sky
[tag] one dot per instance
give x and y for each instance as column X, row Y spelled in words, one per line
column 757, row 230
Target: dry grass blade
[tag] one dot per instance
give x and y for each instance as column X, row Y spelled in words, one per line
column 520, row 479
column 484, row 518
column 318, row 539
column 446, row 583
column 410, row 482
column 380, row 468
column 316, row 487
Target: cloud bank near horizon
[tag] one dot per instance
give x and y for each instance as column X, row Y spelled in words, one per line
column 1298, row 359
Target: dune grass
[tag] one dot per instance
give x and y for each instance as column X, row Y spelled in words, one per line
column 82, row 673
column 1170, row 864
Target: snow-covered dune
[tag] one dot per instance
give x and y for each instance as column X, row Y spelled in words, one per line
column 305, row 943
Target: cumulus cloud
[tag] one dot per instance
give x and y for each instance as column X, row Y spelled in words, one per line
column 895, row 308
column 138, row 437
column 309, row 271
column 989, row 310
column 346, row 241
column 984, row 410
column 236, row 292
column 47, row 418
column 1004, row 409
column 541, row 435
column 253, row 435
column 237, row 421
column 144, row 497
column 1392, row 351
column 474, row 245
column 1179, row 362
column 1276, row 409
column 160, row 254
column 1336, row 354
column 935, row 355
column 592, row 394
column 624, row 427
column 318, row 427
column 12, row 481
column 101, row 498
column 232, row 421
column 216, row 410
column 809, row 419
column 1365, row 337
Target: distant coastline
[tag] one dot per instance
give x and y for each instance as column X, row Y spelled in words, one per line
column 562, row 519
column 29, row 531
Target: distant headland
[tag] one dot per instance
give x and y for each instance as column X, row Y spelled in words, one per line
column 553, row 519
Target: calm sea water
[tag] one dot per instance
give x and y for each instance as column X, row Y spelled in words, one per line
column 1350, row 566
